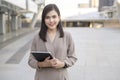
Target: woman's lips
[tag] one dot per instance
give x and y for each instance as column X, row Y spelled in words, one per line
column 52, row 24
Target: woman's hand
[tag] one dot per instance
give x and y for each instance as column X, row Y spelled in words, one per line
column 46, row 63
column 56, row 63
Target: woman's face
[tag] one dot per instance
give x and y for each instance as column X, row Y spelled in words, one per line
column 52, row 19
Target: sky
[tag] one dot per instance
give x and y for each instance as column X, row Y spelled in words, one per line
column 66, row 3
column 67, row 7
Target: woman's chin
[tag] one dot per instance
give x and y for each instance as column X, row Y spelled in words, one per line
column 52, row 27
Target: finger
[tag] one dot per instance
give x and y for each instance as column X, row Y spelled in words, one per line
column 47, row 58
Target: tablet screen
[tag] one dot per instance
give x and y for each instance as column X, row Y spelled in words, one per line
column 40, row 56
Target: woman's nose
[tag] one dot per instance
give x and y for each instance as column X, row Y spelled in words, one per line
column 51, row 19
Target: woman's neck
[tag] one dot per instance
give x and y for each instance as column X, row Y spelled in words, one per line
column 52, row 34
column 52, row 31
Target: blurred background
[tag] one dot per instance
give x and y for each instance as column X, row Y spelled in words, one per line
column 78, row 13
column 93, row 24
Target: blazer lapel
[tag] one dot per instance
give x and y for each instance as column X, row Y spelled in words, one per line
column 50, row 45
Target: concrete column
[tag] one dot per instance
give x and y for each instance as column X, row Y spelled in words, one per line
column 118, row 8
column 35, row 18
column 2, row 23
column 0, row 1
column 14, row 20
column 19, row 22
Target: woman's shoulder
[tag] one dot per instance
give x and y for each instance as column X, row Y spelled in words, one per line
column 36, row 37
column 67, row 34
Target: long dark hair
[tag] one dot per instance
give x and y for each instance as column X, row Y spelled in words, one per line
column 43, row 30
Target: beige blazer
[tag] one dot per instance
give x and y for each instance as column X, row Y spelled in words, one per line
column 61, row 48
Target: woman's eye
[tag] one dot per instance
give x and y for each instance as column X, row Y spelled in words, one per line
column 47, row 17
column 53, row 16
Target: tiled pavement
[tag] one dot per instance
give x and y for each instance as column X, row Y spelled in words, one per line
column 98, row 52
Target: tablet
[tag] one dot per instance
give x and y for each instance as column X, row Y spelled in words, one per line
column 40, row 56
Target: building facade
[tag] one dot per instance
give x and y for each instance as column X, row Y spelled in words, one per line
column 103, row 3
column 93, row 3
column 11, row 13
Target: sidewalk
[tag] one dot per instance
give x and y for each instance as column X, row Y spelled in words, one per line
column 12, row 36
column 14, row 43
column 97, row 51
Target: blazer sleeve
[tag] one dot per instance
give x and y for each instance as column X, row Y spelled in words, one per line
column 32, row 61
column 71, row 56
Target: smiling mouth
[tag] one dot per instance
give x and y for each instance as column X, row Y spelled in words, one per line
column 52, row 24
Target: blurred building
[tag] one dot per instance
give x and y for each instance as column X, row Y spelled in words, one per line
column 83, row 5
column 90, row 4
column 103, row 3
column 107, row 14
column 110, row 8
column 13, row 13
column 93, row 3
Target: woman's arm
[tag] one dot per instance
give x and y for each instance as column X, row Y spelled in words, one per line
column 71, row 56
column 32, row 61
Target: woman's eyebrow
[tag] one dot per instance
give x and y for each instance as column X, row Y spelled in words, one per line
column 51, row 16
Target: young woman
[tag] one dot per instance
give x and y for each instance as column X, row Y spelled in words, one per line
column 52, row 38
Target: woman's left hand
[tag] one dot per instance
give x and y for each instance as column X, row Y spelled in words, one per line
column 56, row 63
